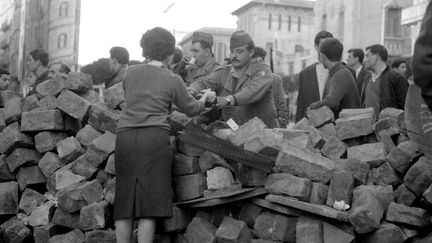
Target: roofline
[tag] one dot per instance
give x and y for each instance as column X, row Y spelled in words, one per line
column 286, row 4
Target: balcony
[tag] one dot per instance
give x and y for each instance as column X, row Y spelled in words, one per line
column 414, row 14
column 397, row 46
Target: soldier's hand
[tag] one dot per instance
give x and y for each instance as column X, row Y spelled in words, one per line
column 221, row 102
column 192, row 91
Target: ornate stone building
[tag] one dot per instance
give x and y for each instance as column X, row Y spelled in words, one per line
column 412, row 17
column 287, row 26
column 49, row 24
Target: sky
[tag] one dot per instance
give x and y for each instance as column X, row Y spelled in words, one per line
column 108, row 23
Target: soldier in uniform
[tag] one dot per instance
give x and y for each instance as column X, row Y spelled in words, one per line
column 205, row 63
column 244, row 87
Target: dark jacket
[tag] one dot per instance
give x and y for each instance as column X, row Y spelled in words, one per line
column 393, row 90
column 308, row 90
column 251, row 91
column 279, row 98
column 118, row 77
column 362, row 79
column 44, row 77
column 422, row 58
column 341, row 91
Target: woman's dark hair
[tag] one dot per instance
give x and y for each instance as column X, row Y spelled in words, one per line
column 40, row 55
column 178, row 55
column 157, row 44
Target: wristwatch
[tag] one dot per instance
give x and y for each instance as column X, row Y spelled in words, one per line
column 228, row 100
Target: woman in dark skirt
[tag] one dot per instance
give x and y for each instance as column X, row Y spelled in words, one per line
column 143, row 155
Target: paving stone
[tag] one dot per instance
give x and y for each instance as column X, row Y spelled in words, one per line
column 267, row 139
column 109, row 191
column 219, row 178
column 401, row 156
column 249, row 176
column 30, row 176
column 384, row 194
column 49, row 164
column 190, row 150
column 63, row 178
column 75, row 236
column 358, row 168
column 22, row 156
column 200, row 231
column 42, row 234
column 114, row 95
column 333, row 234
column 47, row 141
column 12, row 110
column 52, row 86
column 387, row 233
column 427, row 195
column 72, row 104
column 78, row 82
column 184, row 165
column 189, row 187
column 69, row 149
column 309, row 230
column 419, row 176
column 372, row 153
column 386, row 127
column 385, row 175
column 94, row 216
column 14, row 230
column 91, row 96
column 8, row 198
column 11, row 138
column 100, row 149
column 320, row 116
column 110, row 166
column 97, row 236
column 70, row 199
column 328, row 130
column 91, row 191
column 42, row 214
column 366, row 213
column 30, row 200
column 355, row 126
column 408, row 233
column 41, row 120
column 394, row 114
column 245, row 131
column 103, row 177
column 102, row 118
column 333, row 148
column 303, row 141
column 411, row 216
column 47, row 103
column 318, row 194
column 304, row 164
column 178, row 222
column 72, row 125
column 287, row 184
column 341, row 188
column 404, row 196
column 345, row 113
column 5, row 173
column 271, row 226
column 29, row 103
column 232, row 230
column 87, row 135
column 209, row 160
column 248, row 214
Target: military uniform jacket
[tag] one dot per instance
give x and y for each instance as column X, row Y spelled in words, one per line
column 195, row 73
column 251, row 91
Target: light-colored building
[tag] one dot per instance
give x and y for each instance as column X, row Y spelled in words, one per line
column 286, row 26
column 412, row 17
column 361, row 23
column 221, row 40
column 49, row 24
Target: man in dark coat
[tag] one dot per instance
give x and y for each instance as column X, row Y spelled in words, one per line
column 355, row 62
column 341, row 91
column 422, row 58
column 312, row 81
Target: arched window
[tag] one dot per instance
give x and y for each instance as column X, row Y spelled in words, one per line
column 62, row 41
column 63, row 9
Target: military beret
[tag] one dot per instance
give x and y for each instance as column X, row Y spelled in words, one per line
column 259, row 52
column 240, row 38
column 201, row 36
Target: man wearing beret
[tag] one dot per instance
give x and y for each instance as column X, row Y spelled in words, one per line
column 244, row 87
column 205, row 64
column 279, row 96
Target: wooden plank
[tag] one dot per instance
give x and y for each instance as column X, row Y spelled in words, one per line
column 322, row 210
column 278, row 208
column 230, row 194
column 214, row 202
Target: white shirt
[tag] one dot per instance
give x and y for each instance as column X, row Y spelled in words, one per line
column 322, row 76
column 358, row 71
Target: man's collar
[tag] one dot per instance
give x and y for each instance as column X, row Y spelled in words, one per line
column 335, row 67
column 247, row 71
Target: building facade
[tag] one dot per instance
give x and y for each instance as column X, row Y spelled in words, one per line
column 412, row 17
column 361, row 23
column 221, row 37
column 49, row 24
column 286, row 26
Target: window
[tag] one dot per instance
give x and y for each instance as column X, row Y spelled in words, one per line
column 280, row 22
column 63, row 10
column 270, row 22
column 289, row 23
column 393, row 26
column 62, row 41
column 324, row 22
column 299, row 24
